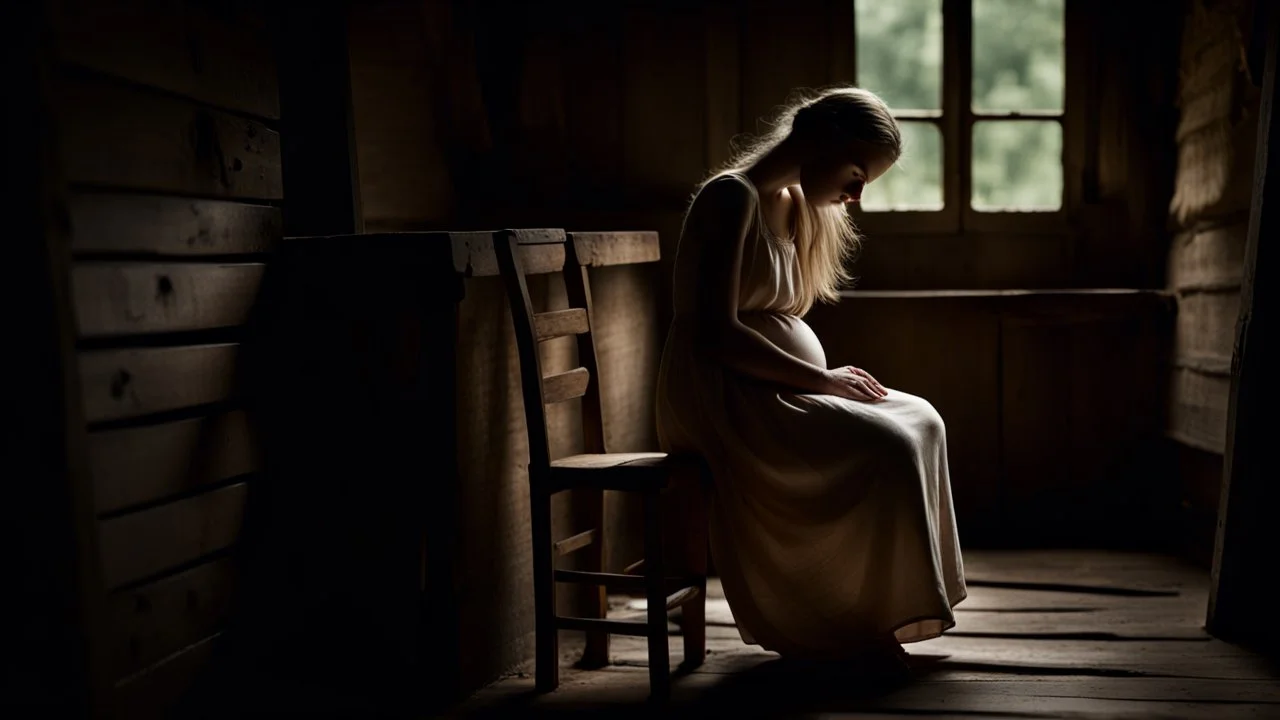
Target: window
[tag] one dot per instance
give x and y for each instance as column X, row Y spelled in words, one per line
column 977, row 87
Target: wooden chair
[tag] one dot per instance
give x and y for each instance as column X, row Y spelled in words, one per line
column 588, row 475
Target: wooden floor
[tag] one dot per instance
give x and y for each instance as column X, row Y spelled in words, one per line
column 1041, row 635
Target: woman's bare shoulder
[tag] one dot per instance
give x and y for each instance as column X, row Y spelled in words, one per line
column 725, row 198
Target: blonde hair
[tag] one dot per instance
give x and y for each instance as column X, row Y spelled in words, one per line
column 826, row 238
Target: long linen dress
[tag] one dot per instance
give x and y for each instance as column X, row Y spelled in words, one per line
column 831, row 519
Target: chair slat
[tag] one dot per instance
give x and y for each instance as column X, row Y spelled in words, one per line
column 676, row 583
column 613, row 627
column 577, row 542
column 565, row 386
column 560, row 323
column 611, row 581
column 682, row 596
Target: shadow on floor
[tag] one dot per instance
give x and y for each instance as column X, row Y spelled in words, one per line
column 1094, row 636
column 782, row 688
column 1071, row 588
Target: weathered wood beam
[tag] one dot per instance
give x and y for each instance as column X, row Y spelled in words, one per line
column 1246, row 544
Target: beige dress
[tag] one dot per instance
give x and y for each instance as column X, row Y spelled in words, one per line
column 832, row 519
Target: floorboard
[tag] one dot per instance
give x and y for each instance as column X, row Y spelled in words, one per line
column 1041, row 635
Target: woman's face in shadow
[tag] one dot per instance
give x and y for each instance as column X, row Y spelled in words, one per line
column 840, row 175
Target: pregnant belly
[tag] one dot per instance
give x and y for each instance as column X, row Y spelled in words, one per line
column 789, row 333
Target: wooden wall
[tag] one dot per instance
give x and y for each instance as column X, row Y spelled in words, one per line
column 1216, row 138
column 607, row 115
column 168, row 182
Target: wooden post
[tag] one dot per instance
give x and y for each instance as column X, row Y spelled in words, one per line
column 1247, row 545
column 317, row 133
column 53, row 660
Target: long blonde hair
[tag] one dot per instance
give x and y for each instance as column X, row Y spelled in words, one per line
column 826, row 238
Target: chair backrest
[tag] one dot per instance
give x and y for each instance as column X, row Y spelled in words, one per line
column 532, row 328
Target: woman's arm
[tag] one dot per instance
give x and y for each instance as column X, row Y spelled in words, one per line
column 721, row 215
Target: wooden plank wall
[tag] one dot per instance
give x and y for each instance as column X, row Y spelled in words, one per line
column 1216, row 139
column 165, row 116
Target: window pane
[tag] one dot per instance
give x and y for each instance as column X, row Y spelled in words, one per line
column 899, row 51
column 1017, row 55
column 1017, row 165
column 915, row 181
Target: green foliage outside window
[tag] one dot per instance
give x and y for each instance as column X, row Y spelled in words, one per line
column 1017, row 67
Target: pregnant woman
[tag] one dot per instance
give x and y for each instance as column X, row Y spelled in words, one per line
column 831, row 526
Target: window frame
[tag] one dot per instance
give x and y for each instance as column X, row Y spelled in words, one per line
column 955, row 122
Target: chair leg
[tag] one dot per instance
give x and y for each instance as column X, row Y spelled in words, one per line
column 656, row 599
column 547, row 650
column 694, row 613
column 596, row 654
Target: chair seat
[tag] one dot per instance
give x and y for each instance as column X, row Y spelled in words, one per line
column 620, row 471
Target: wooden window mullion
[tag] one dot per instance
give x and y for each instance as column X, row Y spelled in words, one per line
column 957, row 33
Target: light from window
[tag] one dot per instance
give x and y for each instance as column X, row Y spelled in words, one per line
column 1017, row 56
column 1017, row 165
column 899, row 57
column 1016, row 101
column 1017, row 73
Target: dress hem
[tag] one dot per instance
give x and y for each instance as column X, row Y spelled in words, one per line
column 946, row 625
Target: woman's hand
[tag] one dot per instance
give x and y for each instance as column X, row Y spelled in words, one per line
column 853, row 383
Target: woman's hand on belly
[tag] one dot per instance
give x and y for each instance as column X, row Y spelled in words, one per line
column 854, row 384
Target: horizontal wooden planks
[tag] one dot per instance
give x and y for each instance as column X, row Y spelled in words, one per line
column 565, row 386
column 124, row 137
column 155, row 620
column 222, row 57
column 133, row 466
column 148, row 542
column 1198, row 408
column 474, row 255
column 1205, row 269
column 1073, row 304
column 473, row 252
column 602, row 249
column 1206, row 324
column 1149, row 658
column 559, row 323
column 113, row 298
column 1208, row 259
column 154, row 692
column 541, row 251
column 117, row 384
column 103, row 223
